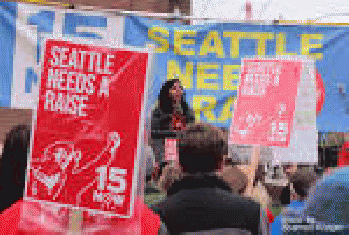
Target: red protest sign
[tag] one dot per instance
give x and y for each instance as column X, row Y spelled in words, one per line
column 171, row 152
column 266, row 102
column 85, row 141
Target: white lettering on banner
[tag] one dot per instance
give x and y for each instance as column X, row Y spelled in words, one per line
column 279, row 131
column 35, row 24
column 108, row 198
column 253, row 119
column 71, row 81
column 96, row 62
column 110, row 193
column 102, row 176
column 65, row 103
column 256, row 84
column 68, row 91
column 282, row 110
column 104, row 89
column 264, row 68
column 260, row 75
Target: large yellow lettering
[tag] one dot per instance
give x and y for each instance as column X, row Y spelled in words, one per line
column 226, row 112
column 262, row 38
column 210, row 105
column 235, row 41
column 173, row 70
column 179, row 41
column 207, row 109
column 229, row 77
column 306, row 45
column 281, row 45
column 217, row 47
column 202, row 76
column 158, row 34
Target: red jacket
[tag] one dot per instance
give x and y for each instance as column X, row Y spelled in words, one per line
column 270, row 216
column 343, row 156
column 10, row 218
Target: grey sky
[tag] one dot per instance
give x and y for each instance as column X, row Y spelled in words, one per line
column 272, row 9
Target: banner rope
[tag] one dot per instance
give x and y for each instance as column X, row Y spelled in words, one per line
column 44, row 2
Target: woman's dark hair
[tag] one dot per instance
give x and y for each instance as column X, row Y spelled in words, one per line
column 14, row 164
column 165, row 100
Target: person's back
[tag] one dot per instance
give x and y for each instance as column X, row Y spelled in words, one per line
column 201, row 201
column 328, row 199
column 206, row 203
column 301, row 182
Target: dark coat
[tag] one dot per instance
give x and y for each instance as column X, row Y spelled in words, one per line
column 161, row 121
column 207, row 203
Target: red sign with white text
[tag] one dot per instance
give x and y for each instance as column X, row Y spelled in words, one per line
column 171, row 152
column 266, row 102
column 84, row 150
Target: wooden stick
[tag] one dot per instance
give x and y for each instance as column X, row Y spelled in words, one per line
column 75, row 221
column 252, row 168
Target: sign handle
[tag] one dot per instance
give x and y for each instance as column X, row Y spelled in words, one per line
column 252, row 168
column 75, row 222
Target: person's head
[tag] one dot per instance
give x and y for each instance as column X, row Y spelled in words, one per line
column 14, row 157
column 235, row 178
column 201, row 149
column 289, row 169
column 172, row 91
column 176, row 91
column 302, row 182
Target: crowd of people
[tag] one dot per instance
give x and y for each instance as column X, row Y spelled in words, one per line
column 208, row 195
column 205, row 193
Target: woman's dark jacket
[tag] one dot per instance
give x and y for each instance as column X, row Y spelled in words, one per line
column 161, row 121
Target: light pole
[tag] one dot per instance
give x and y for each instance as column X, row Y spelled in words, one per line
column 248, row 10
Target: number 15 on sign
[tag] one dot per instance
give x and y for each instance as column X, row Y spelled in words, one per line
column 111, row 185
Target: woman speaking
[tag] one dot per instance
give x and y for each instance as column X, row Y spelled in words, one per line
column 171, row 115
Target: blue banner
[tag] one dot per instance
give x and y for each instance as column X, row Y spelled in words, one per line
column 207, row 59
column 8, row 13
column 24, row 28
